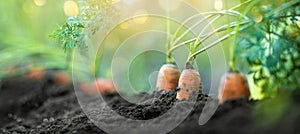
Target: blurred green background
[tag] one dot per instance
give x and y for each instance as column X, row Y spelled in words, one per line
column 24, row 29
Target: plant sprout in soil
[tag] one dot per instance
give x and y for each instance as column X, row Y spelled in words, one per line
column 190, row 80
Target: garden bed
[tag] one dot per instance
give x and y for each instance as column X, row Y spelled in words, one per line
column 41, row 106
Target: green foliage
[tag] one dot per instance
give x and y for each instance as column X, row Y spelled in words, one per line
column 272, row 45
column 70, row 33
column 75, row 29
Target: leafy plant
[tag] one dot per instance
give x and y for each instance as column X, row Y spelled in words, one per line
column 73, row 32
column 272, row 45
column 194, row 43
column 70, row 33
column 267, row 36
column 190, row 80
column 76, row 29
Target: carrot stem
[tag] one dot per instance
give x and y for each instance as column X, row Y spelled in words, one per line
column 222, row 28
column 210, row 14
column 69, row 58
column 198, row 42
column 193, row 55
column 206, row 36
column 179, row 45
column 283, row 7
column 171, row 46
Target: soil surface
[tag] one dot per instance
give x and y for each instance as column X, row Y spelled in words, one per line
column 42, row 107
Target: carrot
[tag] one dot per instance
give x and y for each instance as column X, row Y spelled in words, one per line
column 168, row 77
column 233, row 85
column 61, row 78
column 36, row 73
column 87, row 87
column 189, row 81
column 105, row 85
column 98, row 86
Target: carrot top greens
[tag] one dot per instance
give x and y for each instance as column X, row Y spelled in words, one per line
column 265, row 34
column 76, row 28
column 272, row 45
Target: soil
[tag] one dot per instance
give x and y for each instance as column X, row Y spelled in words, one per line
column 42, row 106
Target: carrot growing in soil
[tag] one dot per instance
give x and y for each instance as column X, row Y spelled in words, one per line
column 62, row 78
column 98, row 86
column 37, row 73
column 190, row 80
column 168, row 76
column 169, row 73
column 233, row 86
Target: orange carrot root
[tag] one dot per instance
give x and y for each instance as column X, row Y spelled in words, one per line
column 105, row 85
column 36, row 73
column 233, row 85
column 62, row 78
column 98, row 86
column 88, row 87
column 189, row 81
column 168, row 77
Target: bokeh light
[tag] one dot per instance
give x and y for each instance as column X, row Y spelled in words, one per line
column 142, row 16
column 218, row 5
column 125, row 25
column 71, row 8
column 128, row 1
column 39, row 2
column 258, row 18
column 28, row 7
column 169, row 5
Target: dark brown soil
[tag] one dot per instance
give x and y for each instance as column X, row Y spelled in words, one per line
column 41, row 106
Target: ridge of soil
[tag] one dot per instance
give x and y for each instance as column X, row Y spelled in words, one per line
column 41, row 106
